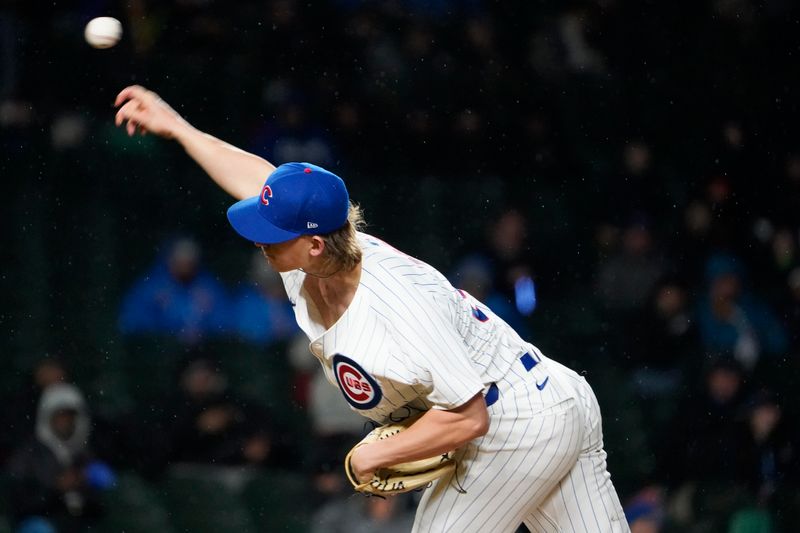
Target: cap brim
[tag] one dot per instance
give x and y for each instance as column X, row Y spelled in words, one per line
column 246, row 220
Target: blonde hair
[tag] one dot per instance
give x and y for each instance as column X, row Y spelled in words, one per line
column 342, row 251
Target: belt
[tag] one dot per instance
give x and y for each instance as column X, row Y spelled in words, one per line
column 528, row 361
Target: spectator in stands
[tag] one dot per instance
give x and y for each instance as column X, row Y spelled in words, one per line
column 636, row 186
column 774, row 257
column 733, row 155
column 212, row 426
column 329, row 481
column 701, row 443
column 293, row 136
column 507, row 254
column 474, row 275
column 627, row 278
column 769, row 457
column 541, row 152
column 362, row 515
column 714, row 221
column 348, row 130
column 645, row 511
column 176, row 297
column 19, row 418
column 331, row 416
column 644, row 520
column 665, row 353
column 334, row 424
column 260, row 311
column 784, row 253
column 732, row 321
column 664, row 342
column 700, row 452
column 53, row 477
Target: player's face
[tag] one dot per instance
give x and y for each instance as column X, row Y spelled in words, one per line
column 286, row 256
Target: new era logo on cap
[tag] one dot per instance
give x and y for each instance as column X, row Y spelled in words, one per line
column 293, row 195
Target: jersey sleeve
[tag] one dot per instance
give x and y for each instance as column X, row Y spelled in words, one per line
column 438, row 362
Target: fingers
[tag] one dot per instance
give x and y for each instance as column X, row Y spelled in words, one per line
column 127, row 112
column 138, row 108
column 135, row 114
column 134, row 92
column 133, row 126
column 127, row 93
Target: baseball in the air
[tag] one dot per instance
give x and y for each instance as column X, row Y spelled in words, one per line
column 103, row 32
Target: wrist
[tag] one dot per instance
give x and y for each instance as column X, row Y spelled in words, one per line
column 368, row 460
column 183, row 132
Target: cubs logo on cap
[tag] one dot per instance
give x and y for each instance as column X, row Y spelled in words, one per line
column 359, row 388
column 297, row 199
column 266, row 194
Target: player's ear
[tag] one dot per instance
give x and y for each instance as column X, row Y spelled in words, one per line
column 317, row 246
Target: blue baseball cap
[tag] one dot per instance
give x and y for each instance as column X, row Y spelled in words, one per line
column 297, row 199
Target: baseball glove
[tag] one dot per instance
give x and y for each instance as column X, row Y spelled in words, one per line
column 403, row 477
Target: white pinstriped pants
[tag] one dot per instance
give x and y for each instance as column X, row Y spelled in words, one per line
column 542, row 463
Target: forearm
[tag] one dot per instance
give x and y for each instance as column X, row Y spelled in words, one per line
column 435, row 433
column 241, row 174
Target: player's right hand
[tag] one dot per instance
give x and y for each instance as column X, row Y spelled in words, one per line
column 145, row 111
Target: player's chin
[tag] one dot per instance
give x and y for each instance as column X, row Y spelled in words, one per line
column 278, row 266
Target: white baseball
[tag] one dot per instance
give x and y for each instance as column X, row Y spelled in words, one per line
column 103, row 32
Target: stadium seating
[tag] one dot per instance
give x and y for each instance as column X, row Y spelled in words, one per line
column 278, row 501
column 134, row 506
column 205, row 500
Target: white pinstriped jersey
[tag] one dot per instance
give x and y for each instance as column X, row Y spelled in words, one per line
column 409, row 338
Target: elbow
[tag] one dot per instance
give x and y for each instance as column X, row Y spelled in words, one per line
column 469, row 430
column 471, row 421
column 481, row 425
column 476, row 425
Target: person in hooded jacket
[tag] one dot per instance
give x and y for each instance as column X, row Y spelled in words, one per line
column 53, row 477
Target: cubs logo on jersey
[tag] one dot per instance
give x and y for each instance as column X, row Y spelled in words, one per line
column 359, row 388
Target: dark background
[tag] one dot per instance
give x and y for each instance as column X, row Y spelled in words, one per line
column 440, row 116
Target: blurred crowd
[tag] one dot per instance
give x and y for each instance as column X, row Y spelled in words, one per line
column 619, row 182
